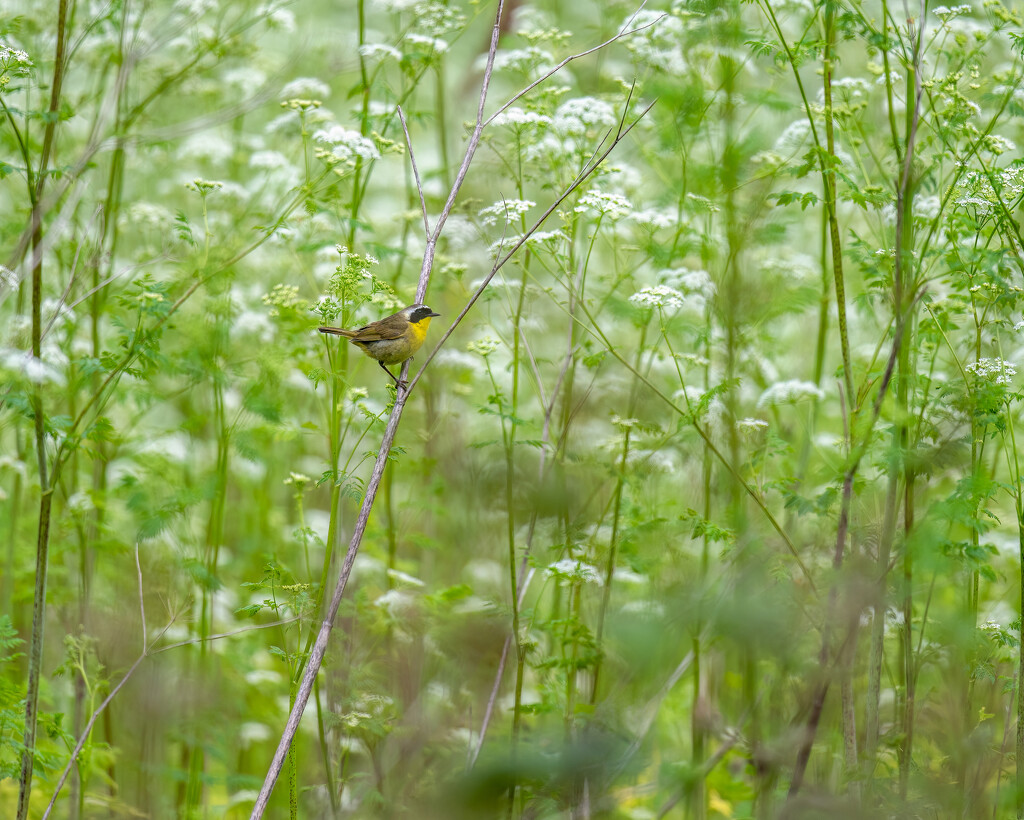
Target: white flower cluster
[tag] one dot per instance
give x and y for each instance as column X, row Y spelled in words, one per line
column 34, row 369
column 997, row 144
column 13, row 63
column 615, row 206
column 532, row 61
column 148, row 213
column 793, row 137
column 661, row 297
column 379, row 51
column 700, row 204
column 427, row 43
column 696, row 282
column 282, row 296
column 657, row 41
column 849, row 88
column 656, row 217
column 533, row 240
column 975, row 188
column 578, row 116
column 437, row 18
column 276, row 17
column 750, row 426
column 790, row 392
column 994, row 370
column 517, row 118
column 945, row 13
column 506, row 210
column 346, row 144
column 305, row 88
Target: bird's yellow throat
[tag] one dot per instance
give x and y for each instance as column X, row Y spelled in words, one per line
column 419, row 330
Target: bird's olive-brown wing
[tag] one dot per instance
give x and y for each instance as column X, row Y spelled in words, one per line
column 381, row 331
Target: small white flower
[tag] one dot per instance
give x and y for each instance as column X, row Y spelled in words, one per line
column 252, row 732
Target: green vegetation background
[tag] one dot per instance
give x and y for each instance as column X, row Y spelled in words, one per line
column 710, row 507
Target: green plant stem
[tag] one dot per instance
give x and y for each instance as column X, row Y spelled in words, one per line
column 609, row 573
column 1017, row 491
column 828, row 183
column 293, row 777
column 45, row 487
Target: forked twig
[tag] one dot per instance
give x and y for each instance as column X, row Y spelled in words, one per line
column 113, row 692
column 622, row 33
column 588, row 169
column 319, row 646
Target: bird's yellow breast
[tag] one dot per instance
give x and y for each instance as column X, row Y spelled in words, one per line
column 417, row 333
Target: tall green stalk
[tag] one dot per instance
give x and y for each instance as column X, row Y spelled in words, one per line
column 36, row 188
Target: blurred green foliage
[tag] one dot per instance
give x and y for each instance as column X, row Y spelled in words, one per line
column 669, row 529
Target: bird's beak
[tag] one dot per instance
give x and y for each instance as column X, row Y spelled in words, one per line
column 435, row 314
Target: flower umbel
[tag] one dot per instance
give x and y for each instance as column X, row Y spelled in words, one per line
column 994, row 370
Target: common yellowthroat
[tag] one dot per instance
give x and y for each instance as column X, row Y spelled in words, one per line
column 391, row 340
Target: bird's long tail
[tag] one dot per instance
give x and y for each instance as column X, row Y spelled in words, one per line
column 337, row 331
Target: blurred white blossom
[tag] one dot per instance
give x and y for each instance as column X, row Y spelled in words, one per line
column 790, row 392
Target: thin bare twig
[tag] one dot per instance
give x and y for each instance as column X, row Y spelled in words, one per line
column 415, row 170
column 113, row 692
column 220, row 635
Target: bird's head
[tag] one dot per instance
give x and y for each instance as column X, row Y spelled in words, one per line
column 419, row 313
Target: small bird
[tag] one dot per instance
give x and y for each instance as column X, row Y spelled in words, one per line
column 391, row 340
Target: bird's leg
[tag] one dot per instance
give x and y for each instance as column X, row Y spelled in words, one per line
column 398, row 383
